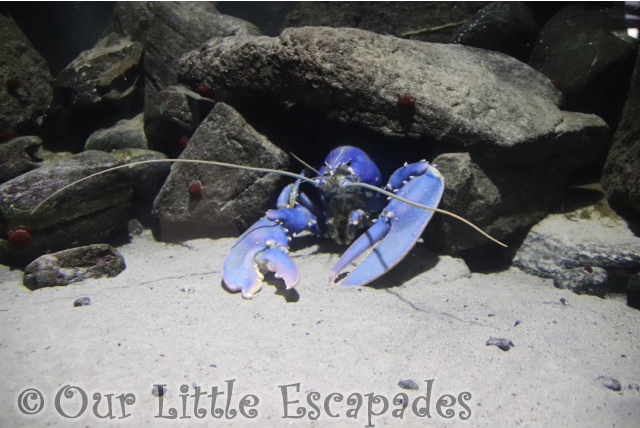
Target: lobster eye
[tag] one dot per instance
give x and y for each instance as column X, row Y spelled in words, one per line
column 348, row 163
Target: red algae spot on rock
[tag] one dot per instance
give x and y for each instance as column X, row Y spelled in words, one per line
column 195, row 189
column 406, row 101
column 19, row 236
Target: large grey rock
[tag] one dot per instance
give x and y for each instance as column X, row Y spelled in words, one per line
column 228, row 200
column 73, row 265
column 126, row 133
column 521, row 146
column 507, row 27
column 171, row 116
column 169, row 29
column 26, row 82
column 464, row 96
column 108, row 71
column 621, row 173
column 588, row 54
column 586, row 250
column 19, row 156
column 633, row 291
column 499, row 199
column 88, row 212
column 426, row 21
column 100, row 86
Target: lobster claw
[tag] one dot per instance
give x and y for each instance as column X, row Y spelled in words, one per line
column 397, row 228
column 265, row 245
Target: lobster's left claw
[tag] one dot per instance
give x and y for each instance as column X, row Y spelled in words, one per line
column 397, row 228
column 263, row 244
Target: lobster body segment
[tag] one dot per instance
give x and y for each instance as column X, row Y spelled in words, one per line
column 344, row 210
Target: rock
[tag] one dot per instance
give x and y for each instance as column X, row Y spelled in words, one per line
column 584, row 250
column 82, row 301
column 230, row 199
column 502, row 343
column 464, row 96
column 26, row 82
column 506, row 27
column 100, row 86
column 127, row 133
column 269, row 17
column 73, row 265
column 89, row 212
column 135, row 227
column 596, row 77
column 408, row 384
column 60, row 32
column 621, row 173
column 500, row 199
column 633, row 291
column 521, row 145
column 18, row 156
column 171, row 116
column 169, row 29
column 426, row 21
column 609, row 382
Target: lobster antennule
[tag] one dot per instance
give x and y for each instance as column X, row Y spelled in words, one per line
column 304, row 163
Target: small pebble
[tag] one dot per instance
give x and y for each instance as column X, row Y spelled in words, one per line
column 504, row 344
column 609, row 382
column 82, row 301
column 408, row 384
column 135, row 227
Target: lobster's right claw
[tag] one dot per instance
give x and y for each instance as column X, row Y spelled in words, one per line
column 397, row 229
column 266, row 245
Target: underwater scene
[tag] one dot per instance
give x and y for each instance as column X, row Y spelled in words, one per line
column 367, row 214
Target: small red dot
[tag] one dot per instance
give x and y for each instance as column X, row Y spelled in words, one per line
column 184, row 140
column 406, row 101
column 19, row 236
column 588, row 269
column 203, row 89
column 195, row 189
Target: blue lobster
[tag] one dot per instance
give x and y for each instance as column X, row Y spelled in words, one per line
column 350, row 196
column 344, row 209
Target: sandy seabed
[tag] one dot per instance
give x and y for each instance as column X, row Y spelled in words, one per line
column 328, row 353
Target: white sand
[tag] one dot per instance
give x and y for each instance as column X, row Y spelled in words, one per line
column 167, row 319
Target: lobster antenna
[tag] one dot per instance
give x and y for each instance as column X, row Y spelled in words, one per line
column 426, row 207
column 267, row 170
column 192, row 161
column 304, row 163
